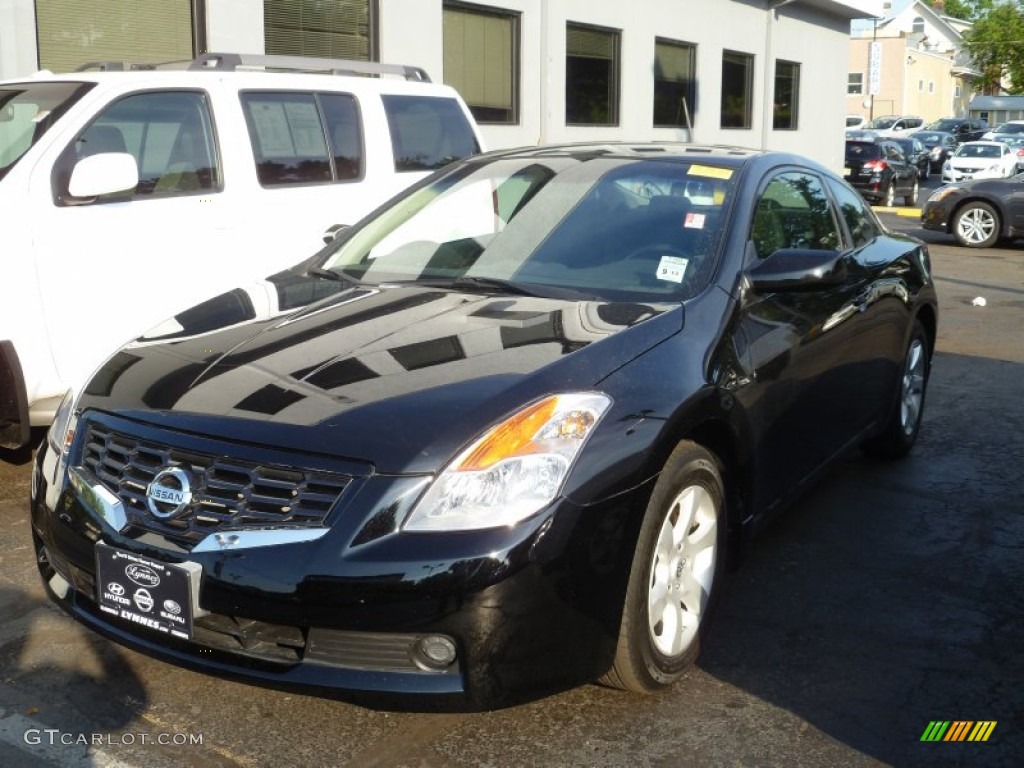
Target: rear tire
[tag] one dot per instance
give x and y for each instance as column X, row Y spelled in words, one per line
column 677, row 565
column 890, row 195
column 904, row 423
column 911, row 199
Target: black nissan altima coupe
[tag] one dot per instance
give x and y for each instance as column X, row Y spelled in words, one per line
column 496, row 440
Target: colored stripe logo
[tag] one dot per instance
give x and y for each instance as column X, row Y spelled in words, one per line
column 958, row 730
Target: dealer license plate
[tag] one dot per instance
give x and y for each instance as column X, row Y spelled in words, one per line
column 151, row 594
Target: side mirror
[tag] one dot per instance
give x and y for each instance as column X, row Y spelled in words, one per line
column 103, row 174
column 796, row 269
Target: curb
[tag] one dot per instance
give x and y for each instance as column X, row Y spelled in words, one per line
column 910, row 213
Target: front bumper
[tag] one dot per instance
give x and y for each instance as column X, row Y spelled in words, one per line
column 531, row 610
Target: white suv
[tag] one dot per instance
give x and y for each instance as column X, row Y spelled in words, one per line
column 133, row 191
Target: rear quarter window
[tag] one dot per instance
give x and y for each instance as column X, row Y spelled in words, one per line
column 428, row 132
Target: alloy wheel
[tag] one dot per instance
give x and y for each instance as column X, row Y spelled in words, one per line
column 912, row 390
column 976, row 225
column 682, row 570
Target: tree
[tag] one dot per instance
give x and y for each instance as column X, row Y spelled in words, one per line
column 996, row 44
column 969, row 10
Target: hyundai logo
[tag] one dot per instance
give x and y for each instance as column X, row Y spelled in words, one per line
column 170, row 493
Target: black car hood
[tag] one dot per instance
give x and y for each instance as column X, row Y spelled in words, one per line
column 400, row 377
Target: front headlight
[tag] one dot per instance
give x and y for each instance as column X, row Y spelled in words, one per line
column 514, row 469
column 62, row 430
column 941, row 194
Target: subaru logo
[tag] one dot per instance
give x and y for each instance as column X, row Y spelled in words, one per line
column 170, row 493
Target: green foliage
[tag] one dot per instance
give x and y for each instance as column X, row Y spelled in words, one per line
column 969, row 10
column 996, row 44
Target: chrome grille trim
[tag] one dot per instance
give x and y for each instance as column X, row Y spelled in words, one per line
column 228, row 494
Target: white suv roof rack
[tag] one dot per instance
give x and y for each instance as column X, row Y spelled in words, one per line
column 233, row 62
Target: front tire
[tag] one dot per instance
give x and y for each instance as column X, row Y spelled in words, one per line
column 904, row 423
column 890, row 195
column 976, row 225
column 677, row 565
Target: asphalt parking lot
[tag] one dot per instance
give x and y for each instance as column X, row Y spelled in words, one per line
column 890, row 597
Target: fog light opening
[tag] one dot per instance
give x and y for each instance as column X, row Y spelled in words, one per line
column 433, row 652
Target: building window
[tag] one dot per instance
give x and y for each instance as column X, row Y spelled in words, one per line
column 591, row 76
column 72, row 32
column 956, row 92
column 341, row 29
column 674, row 83
column 855, row 84
column 481, row 61
column 931, row 86
column 918, row 27
column 787, row 96
column 737, row 89
column 920, row 85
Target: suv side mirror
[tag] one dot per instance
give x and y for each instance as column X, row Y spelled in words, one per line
column 103, row 174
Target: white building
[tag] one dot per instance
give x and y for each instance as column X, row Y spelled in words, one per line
column 752, row 73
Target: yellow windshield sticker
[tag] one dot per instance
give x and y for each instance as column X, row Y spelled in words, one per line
column 710, row 172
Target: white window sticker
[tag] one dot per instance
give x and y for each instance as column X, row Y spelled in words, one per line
column 672, row 268
column 694, row 220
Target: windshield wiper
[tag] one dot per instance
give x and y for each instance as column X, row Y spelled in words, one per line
column 330, row 274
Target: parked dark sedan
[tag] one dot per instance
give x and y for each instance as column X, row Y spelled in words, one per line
column 497, row 439
column 878, row 169
column 940, row 147
column 916, row 154
column 964, row 128
column 977, row 213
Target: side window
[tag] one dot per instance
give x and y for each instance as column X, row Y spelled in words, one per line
column 428, row 132
column 170, row 135
column 894, row 153
column 793, row 212
column 858, row 216
column 304, row 138
column 288, row 141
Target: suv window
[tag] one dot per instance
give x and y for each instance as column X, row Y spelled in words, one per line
column 428, row 133
column 170, row 135
column 863, row 150
column 27, row 111
column 794, row 212
column 290, row 131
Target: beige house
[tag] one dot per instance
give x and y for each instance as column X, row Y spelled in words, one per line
column 920, row 67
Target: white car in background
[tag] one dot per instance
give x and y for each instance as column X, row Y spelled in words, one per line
column 894, row 126
column 980, row 160
column 130, row 192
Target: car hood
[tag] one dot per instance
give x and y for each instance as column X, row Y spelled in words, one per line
column 400, row 377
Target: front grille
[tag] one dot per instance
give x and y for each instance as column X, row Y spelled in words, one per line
column 227, row 494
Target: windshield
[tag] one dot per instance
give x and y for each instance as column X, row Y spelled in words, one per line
column 1010, row 128
column 27, row 110
column 881, row 123
column 948, row 126
column 578, row 225
column 979, row 150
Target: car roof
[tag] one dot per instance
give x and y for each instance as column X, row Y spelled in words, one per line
column 714, row 154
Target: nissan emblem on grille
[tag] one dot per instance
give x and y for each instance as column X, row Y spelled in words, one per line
column 170, row 493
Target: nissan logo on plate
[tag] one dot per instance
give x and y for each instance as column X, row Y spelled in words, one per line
column 170, row 493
